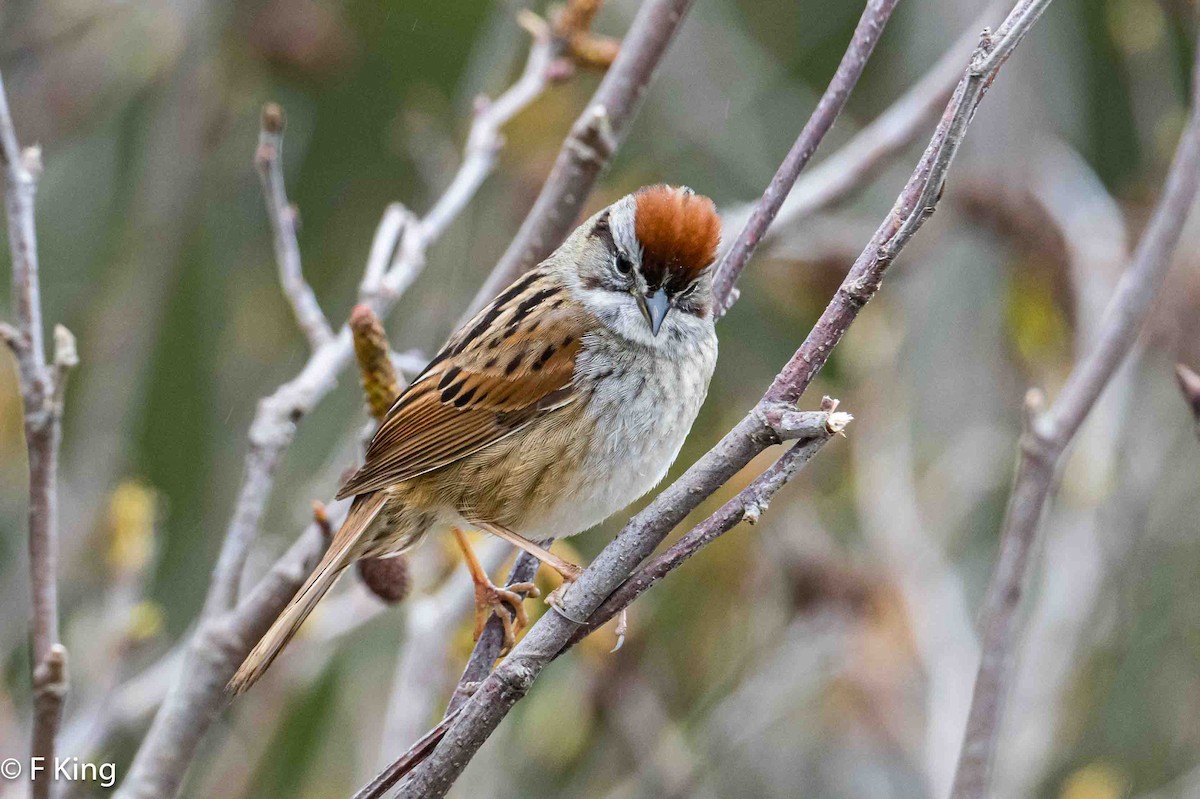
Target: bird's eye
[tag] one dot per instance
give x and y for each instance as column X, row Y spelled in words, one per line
column 624, row 265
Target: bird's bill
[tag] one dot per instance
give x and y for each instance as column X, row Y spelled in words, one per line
column 654, row 307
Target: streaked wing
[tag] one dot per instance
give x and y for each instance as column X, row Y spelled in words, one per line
column 512, row 363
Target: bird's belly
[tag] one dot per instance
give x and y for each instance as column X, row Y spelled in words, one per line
column 639, row 433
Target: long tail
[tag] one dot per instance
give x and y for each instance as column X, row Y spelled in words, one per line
column 339, row 555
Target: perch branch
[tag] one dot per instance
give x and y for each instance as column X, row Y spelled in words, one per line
column 229, row 626
column 268, row 160
column 593, row 141
column 1047, row 435
column 854, row 61
column 478, row 717
column 491, row 640
column 42, row 388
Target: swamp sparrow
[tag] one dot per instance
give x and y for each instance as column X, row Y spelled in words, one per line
column 557, row 405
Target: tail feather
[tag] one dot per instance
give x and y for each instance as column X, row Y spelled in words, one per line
column 340, row 554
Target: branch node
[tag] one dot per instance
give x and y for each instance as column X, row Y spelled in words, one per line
column 66, row 354
column 534, row 25
column 1189, row 384
column 12, row 337
column 273, row 120
column 50, row 677
column 836, row 425
column 31, row 161
column 987, row 43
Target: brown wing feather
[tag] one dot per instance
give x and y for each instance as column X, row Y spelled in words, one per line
column 514, row 362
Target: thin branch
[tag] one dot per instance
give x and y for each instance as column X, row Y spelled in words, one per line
column 42, row 389
column 593, row 141
column 857, row 161
column 268, row 160
column 481, row 714
column 854, row 61
column 1049, row 433
column 229, row 627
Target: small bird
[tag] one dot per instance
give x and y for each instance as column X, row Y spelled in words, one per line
column 561, row 402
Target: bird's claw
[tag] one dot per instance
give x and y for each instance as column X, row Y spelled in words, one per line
column 508, row 606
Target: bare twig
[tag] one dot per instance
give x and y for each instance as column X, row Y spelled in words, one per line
column 478, row 717
column 42, row 388
column 1047, row 435
column 862, row 44
column 591, row 144
column 572, row 25
column 857, row 161
column 268, row 160
column 228, row 626
column 1189, row 385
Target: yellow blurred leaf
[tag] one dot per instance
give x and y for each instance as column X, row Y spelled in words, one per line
column 1096, row 781
column 1037, row 326
column 132, row 510
column 145, row 621
column 1135, row 25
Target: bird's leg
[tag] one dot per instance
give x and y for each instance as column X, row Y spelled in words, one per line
column 506, row 602
column 569, row 571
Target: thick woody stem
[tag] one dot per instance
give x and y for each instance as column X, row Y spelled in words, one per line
column 1047, row 435
column 268, row 160
column 42, row 389
column 591, row 144
column 482, row 713
column 235, row 623
column 854, row 61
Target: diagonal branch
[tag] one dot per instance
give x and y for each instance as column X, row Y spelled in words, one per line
column 854, row 163
column 1047, row 435
column 854, row 61
column 477, row 718
column 268, row 161
column 42, row 389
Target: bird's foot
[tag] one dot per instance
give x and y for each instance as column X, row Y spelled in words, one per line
column 569, row 573
column 507, row 605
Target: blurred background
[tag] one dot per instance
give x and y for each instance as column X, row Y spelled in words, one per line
column 828, row 651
